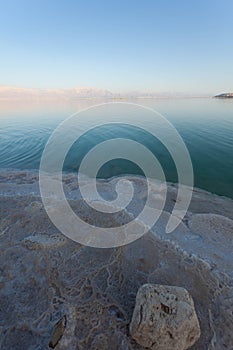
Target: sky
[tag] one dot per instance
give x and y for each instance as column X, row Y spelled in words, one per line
column 119, row 45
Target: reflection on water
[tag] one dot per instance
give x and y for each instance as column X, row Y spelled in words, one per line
column 206, row 126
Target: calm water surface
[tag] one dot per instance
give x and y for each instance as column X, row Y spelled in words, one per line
column 206, row 126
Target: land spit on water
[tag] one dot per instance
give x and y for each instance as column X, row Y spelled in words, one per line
column 225, row 95
column 49, row 281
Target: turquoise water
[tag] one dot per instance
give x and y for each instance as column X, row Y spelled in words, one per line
column 206, row 126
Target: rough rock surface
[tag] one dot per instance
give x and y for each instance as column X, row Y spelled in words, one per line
column 164, row 318
column 44, row 275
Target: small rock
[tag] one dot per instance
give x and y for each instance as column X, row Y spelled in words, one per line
column 164, row 318
column 43, row 241
column 34, row 207
column 58, row 331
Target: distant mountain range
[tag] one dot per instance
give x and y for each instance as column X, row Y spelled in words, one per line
column 10, row 92
column 18, row 93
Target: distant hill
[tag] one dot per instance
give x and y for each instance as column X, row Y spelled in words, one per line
column 19, row 93
column 225, row 95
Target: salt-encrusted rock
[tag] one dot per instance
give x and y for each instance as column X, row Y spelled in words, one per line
column 34, row 206
column 58, row 331
column 164, row 318
column 43, row 241
column 212, row 226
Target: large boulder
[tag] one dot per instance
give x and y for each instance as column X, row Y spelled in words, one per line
column 164, row 318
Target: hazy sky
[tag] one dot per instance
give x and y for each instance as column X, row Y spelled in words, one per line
column 120, row 45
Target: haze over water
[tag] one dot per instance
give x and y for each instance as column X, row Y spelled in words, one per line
column 204, row 124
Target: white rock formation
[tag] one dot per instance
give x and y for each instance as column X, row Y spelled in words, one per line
column 164, row 318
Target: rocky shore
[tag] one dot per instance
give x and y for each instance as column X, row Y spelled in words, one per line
column 56, row 293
